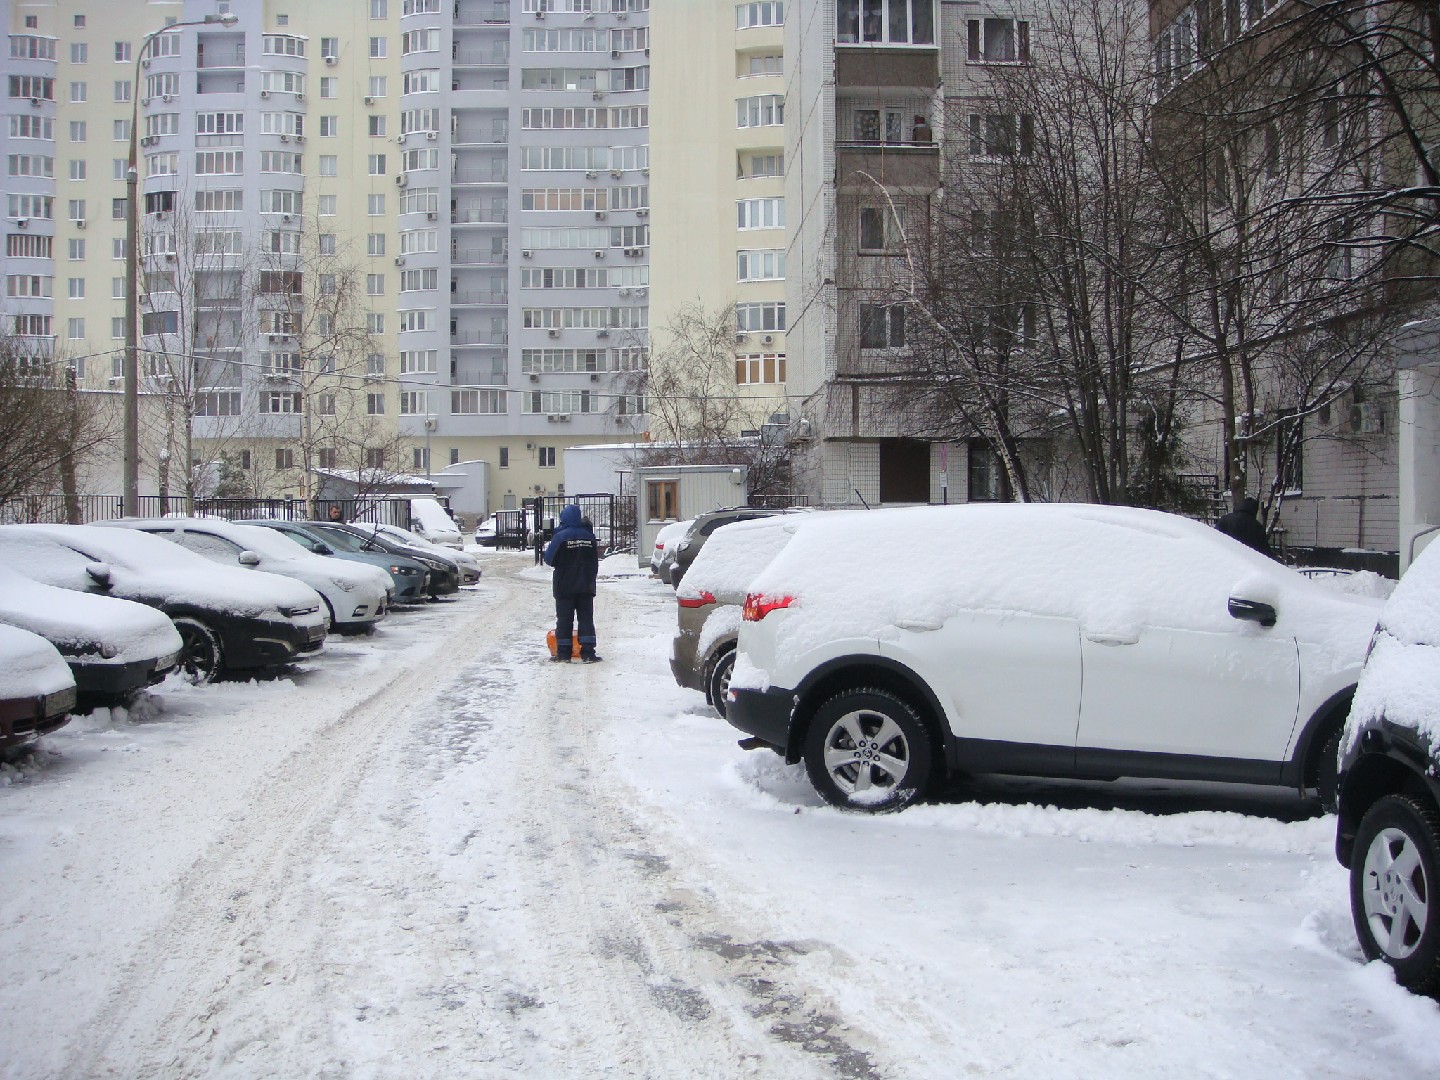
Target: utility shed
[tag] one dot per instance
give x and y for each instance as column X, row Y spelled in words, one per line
column 669, row 493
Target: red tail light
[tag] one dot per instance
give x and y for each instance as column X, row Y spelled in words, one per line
column 758, row 605
column 695, row 600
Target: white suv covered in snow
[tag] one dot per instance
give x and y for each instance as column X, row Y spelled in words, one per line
column 890, row 647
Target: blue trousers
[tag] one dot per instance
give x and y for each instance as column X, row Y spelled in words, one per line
column 569, row 609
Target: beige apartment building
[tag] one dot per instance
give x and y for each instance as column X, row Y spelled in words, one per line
column 718, row 198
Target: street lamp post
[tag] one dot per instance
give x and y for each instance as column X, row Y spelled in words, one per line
column 130, row 370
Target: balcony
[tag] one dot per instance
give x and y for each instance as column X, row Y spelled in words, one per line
column 495, row 339
column 482, row 15
column 477, row 257
column 479, row 216
column 479, row 298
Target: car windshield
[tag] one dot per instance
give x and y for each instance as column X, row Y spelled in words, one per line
column 344, row 541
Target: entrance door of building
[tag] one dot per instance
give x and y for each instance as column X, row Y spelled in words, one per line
column 904, row 471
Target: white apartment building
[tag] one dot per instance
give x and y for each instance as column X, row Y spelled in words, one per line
column 394, row 233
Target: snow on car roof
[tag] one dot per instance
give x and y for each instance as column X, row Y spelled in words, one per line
column 164, row 572
column 66, row 617
column 30, row 666
column 256, row 538
column 1114, row 569
column 734, row 554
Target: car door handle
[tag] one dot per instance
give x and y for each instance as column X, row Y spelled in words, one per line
column 1113, row 639
column 913, row 624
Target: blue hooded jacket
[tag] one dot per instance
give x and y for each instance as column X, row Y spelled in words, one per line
column 575, row 554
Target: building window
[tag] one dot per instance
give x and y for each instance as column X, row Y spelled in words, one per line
column 374, row 284
column 888, row 22
column 998, row 41
column 662, row 500
column 760, row 316
column 375, row 404
column 1290, row 453
column 882, row 326
column 376, row 164
column 377, row 48
column 378, row 9
column 764, row 13
column 375, row 458
column 122, row 52
column 987, row 480
column 1001, row 135
column 767, row 265
column 547, row 457
column 284, row 457
column 377, row 127
column 762, row 110
column 329, row 127
column 881, row 230
column 764, row 368
column 504, row 457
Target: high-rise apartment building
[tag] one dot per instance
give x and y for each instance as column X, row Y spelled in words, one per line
column 718, row 136
column 387, row 233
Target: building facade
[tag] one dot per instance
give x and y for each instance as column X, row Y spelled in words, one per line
column 391, row 234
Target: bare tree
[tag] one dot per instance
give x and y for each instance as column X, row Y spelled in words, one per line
column 47, row 428
column 698, row 414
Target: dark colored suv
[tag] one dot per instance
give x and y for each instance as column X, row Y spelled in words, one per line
column 1388, row 834
column 701, row 528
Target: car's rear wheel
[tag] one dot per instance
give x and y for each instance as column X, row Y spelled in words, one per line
column 200, row 654
column 1395, row 890
column 718, row 684
column 867, row 749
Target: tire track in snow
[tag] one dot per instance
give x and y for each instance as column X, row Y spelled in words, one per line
column 444, row 880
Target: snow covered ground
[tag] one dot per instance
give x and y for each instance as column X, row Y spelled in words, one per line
column 430, row 853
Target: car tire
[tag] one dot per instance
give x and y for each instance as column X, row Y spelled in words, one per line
column 718, row 681
column 1395, row 890
column 200, row 655
column 867, row 749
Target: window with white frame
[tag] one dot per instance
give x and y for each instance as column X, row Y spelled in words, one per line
column 997, row 41
column 377, row 48
column 761, row 110
column 763, row 13
column 761, row 213
column 414, row 403
column 760, row 368
column 761, row 265
column 415, row 320
column 477, row 402
column 759, row 317
column 885, row 22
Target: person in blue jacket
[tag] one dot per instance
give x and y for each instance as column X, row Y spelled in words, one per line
column 575, row 554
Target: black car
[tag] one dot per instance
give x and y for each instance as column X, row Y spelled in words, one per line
column 444, row 573
column 114, row 647
column 700, row 529
column 229, row 619
column 1388, row 832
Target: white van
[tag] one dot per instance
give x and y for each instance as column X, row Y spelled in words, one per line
column 432, row 521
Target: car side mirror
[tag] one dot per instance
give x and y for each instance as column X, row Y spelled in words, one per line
column 99, row 573
column 1252, row 611
column 248, row 558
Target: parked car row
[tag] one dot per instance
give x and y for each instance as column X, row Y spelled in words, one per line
column 1084, row 641
column 121, row 604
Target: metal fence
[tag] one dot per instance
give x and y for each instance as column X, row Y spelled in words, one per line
column 611, row 516
column 83, row 509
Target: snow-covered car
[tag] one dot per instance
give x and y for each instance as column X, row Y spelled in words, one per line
column 429, row 519
column 229, row 619
column 407, row 577
column 663, row 556
column 37, row 690
column 114, row 647
column 705, row 526
column 468, row 565
column 1054, row 640
column 355, row 595
column 1388, row 827
column 444, row 571
column 487, row 532
column 709, row 600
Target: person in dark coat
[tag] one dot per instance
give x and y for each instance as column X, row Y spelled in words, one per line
column 1244, row 525
column 575, row 554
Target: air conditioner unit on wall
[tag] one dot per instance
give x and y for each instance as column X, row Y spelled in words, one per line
column 331, row 59
column 1367, row 418
column 768, row 339
column 553, row 332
